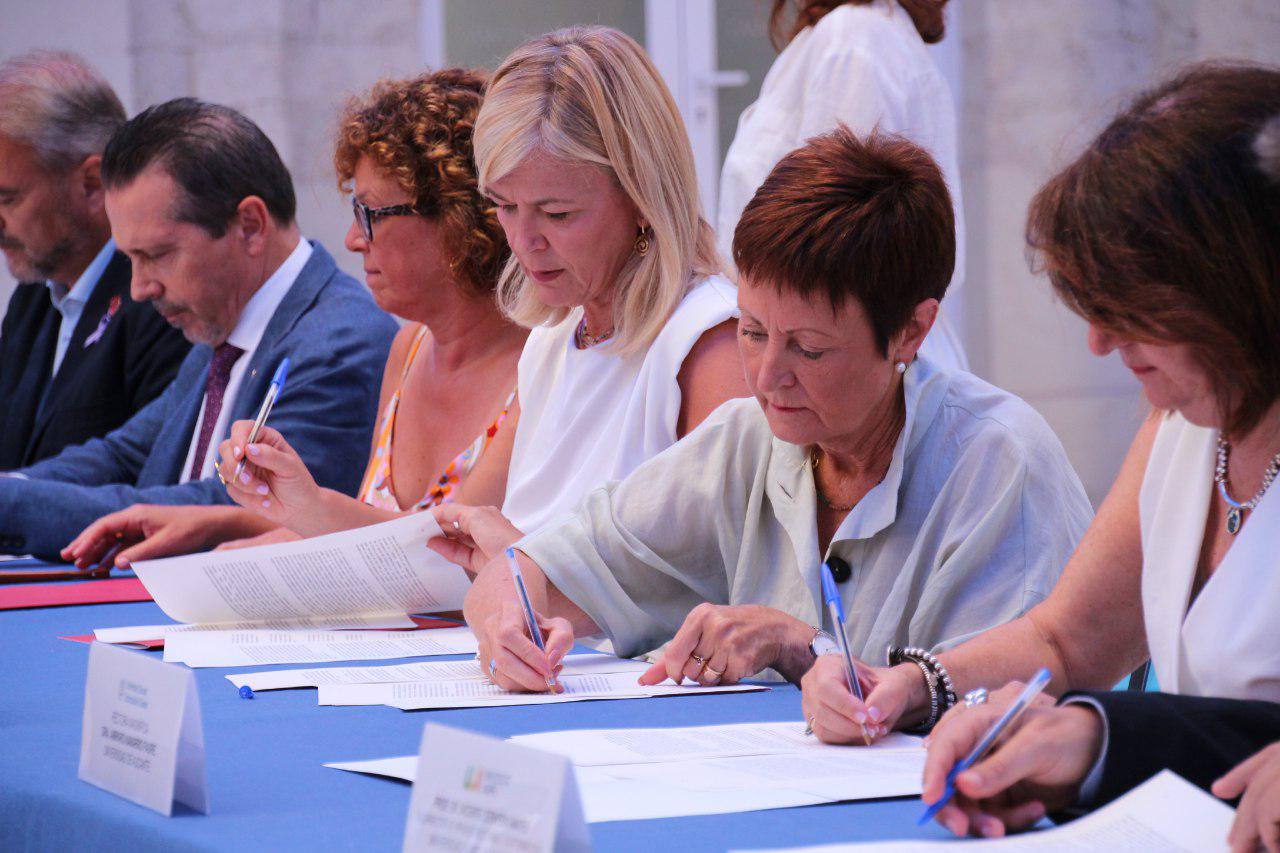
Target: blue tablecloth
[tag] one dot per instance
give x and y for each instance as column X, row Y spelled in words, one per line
column 269, row 790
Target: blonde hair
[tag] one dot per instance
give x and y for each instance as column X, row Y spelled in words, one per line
column 591, row 95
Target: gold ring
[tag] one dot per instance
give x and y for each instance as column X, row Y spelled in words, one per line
column 716, row 672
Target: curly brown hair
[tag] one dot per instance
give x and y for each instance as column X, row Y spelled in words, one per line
column 419, row 131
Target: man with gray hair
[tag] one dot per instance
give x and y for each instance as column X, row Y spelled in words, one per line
column 78, row 356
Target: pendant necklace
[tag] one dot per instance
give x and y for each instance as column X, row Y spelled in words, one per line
column 1236, row 511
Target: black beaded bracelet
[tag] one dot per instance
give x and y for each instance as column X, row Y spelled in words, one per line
column 942, row 693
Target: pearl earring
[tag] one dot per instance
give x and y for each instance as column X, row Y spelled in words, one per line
column 901, row 367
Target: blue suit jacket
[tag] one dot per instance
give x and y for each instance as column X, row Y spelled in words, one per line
column 337, row 341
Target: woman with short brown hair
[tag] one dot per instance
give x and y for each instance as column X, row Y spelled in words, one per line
column 945, row 505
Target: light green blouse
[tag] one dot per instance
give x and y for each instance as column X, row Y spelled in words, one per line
column 970, row 527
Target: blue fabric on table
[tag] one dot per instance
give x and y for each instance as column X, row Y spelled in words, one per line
column 268, row 789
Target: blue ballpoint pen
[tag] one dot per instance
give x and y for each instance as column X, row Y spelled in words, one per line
column 1038, row 682
column 836, row 608
column 273, row 393
column 531, row 621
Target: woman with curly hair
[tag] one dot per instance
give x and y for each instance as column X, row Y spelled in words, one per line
column 433, row 251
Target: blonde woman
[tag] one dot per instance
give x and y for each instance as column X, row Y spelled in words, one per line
column 581, row 148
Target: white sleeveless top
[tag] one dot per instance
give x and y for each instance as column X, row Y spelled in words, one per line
column 589, row 416
column 1227, row 644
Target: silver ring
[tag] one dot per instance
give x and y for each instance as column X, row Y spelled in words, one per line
column 975, row 697
column 456, row 526
column 493, row 667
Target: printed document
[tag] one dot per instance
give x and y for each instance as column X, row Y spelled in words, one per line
column 260, row 647
column 587, row 747
column 443, row 670
column 750, row 782
column 468, row 693
column 1165, row 813
column 344, row 579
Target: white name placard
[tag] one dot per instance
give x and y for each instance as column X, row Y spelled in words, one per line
column 142, row 737
column 477, row 793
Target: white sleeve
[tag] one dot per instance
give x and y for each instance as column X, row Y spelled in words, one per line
column 846, row 87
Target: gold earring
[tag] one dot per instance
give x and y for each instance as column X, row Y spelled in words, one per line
column 643, row 242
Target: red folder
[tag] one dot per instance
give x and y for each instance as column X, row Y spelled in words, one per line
column 105, row 591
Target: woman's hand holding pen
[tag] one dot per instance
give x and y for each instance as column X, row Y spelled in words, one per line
column 506, row 653
column 835, row 715
column 1035, row 768
column 275, row 483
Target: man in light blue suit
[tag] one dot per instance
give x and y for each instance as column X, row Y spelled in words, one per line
column 201, row 202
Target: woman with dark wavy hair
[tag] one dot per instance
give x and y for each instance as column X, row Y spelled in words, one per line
column 1164, row 236
column 864, row 64
column 432, row 250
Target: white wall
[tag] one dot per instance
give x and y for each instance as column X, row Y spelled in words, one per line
column 1039, row 80
column 96, row 29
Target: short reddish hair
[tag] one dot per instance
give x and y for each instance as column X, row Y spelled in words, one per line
column 1167, row 230
column 846, row 218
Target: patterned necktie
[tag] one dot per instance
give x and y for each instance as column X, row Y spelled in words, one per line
column 215, row 388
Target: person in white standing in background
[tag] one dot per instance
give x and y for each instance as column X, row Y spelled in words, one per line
column 865, row 64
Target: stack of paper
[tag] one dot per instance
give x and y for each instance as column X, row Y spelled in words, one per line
column 353, row 579
column 434, row 671
column 260, row 647
column 284, row 603
column 463, row 684
column 1164, row 813
column 633, row 774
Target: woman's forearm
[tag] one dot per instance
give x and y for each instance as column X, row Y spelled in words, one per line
column 494, row 586
column 335, row 511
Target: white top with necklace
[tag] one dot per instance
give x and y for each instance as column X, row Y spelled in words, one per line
column 588, row 416
column 1227, row 643
column 970, row 527
column 867, row 67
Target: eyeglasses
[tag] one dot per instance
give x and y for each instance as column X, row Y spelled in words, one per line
column 366, row 215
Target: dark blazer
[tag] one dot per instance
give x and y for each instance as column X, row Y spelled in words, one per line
column 1196, row 737
column 337, row 340
column 99, row 386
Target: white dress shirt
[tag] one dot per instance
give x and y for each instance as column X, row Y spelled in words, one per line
column 969, row 528
column 867, row 67
column 246, row 335
column 1225, row 642
column 70, row 303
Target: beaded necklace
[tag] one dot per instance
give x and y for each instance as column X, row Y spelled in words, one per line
column 1235, row 515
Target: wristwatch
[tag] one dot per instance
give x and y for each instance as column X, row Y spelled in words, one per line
column 823, row 644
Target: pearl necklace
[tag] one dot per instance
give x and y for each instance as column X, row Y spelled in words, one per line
column 1235, row 515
